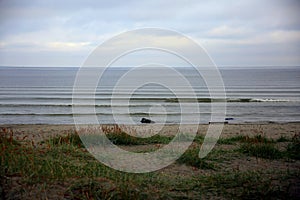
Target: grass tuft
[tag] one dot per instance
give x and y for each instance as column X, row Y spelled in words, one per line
column 97, row 188
column 231, row 140
column 69, row 139
column 125, row 139
column 191, row 158
column 245, row 185
column 256, row 139
column 260, row 146
column 283, row 139
column 261, row 150
column 116, row 138
column 293, row 149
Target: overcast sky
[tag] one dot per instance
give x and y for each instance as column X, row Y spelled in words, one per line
column 65, row 32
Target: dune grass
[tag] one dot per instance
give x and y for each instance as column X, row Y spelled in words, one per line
column 259, row 146
column 191, row 158
column 63, row 163
column 293, row 149
column 261, row 150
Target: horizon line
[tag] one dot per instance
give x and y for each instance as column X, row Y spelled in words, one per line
column 221, row 66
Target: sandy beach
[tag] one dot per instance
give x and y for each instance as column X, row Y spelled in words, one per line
column 36, row 133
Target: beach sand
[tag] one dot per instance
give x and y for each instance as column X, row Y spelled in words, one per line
column 36, row 133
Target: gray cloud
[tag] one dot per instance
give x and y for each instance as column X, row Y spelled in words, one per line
column 253, row 32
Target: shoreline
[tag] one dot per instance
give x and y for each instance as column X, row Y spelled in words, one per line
column 39, row 132
column 229, row 122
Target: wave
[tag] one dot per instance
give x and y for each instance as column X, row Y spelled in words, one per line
column 214, row 100
column 87, row 114
column 270, row 100
column 153, row 98
column 77, row 105
column 147, row 102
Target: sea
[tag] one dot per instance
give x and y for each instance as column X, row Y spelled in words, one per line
column 43, row 95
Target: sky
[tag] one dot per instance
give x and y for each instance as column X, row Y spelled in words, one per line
column 234, row 33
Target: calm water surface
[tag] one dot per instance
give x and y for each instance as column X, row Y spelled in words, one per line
column 44, row 96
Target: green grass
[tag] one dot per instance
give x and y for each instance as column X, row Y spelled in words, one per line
column 125, row 139
column 69, row 139
column 261, row 150
column 191, row 157
column 116, row 138
column 231, row 140
column 283, row 139
column 99, row 188
column 64, row 161
column 293, row 149
column 256, row 139
column 246, row 185
column 262, row 147
column 259, row 146
column 245, row 139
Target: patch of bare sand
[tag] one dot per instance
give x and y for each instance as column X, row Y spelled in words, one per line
column 35, row 133
column 246, row 163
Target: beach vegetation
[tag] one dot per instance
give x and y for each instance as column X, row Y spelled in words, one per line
column 191, row 157
column 61, row 167
column 231, row 140
column 261, row 150
column 260, row 146
column 283, row 139
column 293, row 149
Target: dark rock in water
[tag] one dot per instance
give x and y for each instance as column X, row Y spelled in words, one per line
column 229, row 118
column 147, row 121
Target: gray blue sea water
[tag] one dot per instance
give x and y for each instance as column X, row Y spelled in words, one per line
column 43, row 95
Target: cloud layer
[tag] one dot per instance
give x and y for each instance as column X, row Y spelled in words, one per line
column 63, row 33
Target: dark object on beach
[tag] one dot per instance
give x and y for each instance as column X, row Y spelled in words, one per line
column 147, row 121
column 229, row 118
column 218, row 122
